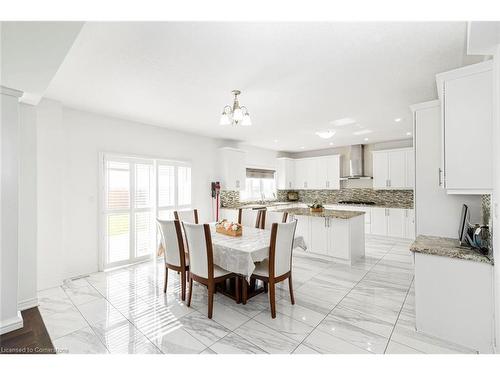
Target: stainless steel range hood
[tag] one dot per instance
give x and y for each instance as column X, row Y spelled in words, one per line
column 356, row 161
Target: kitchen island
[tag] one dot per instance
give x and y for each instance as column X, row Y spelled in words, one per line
column 336, row 233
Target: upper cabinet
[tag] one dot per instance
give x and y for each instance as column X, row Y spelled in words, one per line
column 393, row 169
column 466, row 96
column 233, row 168
column 318, row 173
column 327, row 172
column 285, row 174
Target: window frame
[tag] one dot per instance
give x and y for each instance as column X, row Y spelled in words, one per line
column 153, row 208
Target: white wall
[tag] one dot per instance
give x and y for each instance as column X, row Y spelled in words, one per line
column 496, row 191
column 27, row 208
column 50, row 162
column 10, row 317
column 83, row 137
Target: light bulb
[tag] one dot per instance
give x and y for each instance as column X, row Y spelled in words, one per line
column 246, row 120
column 238, row 114
column 224, row 119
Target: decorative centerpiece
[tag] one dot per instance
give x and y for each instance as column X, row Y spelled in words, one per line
column 316, row 207
column 228, row 228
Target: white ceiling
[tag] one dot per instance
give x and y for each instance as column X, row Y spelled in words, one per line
column 31, row 54
column 295, row 77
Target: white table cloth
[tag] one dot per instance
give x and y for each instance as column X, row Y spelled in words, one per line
column 239, row 254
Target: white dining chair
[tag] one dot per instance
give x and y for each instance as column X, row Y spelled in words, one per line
column 249, row 217
column 268, row 218
column 187, row 216
column 201, row 267
column 174, row 254
column 278, row 267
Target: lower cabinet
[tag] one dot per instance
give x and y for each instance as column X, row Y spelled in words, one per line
column 393, row 222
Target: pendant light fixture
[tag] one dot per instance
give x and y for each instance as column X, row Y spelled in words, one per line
column 235, row 115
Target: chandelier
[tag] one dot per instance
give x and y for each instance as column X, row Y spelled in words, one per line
column 235, row 115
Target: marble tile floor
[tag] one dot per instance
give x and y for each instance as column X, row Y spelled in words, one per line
column 364, row 308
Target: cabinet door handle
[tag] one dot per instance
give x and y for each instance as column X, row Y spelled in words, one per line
column 439, row 177
column 389, row 183
column 386, row 183
column 290, row 184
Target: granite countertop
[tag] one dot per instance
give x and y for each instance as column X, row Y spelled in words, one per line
column 337, row 214
column 447, row 247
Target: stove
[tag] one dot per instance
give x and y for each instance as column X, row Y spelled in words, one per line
column 358, row 203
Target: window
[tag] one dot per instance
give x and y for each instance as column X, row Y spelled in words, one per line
column 136, row 191
column 259, row 185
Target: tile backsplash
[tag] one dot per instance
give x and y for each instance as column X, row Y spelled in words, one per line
column 392, row 198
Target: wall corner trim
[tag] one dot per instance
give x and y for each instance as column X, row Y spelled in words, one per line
column 11, row 324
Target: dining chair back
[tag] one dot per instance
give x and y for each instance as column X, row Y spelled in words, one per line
column 270, row 217
column 174, row 254
column 171, row 240
column 202, row 268
column 199, row 243
column 249, row 217
column 187, row 216
column 280, row 252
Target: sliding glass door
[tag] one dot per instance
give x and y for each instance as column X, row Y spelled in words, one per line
column 136, row 191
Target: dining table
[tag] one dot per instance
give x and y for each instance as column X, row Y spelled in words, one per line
column 240, row 254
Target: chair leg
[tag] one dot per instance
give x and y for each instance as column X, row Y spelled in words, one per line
column 183, row 285
column 210, row 300
column 190, row 291
column 290, row 287
column 272, row 299
column 166, row 280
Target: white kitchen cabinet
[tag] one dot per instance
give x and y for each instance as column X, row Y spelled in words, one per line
column 379, row 221
column 303, row 228
column 396, row 222
column 232, row 162
column 380, row 170
column 409, row 231
column 319, row 173
column 286, row 174
column 410, row 168
column 393, row 169
column 466, row 96
column 338, row 242
column 327, row 172
column 340, row 238
column 319, row 240
column 455, row 300
column 305, row 173
column 393, row 222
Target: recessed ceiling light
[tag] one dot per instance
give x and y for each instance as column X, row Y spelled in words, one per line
column 360, row 132
column 366, row 139
column 343, row 121
column 331, row 143
column 326, row 134
column 408, row 133
column 302, row 147
column 275, row 141
column 397, row 119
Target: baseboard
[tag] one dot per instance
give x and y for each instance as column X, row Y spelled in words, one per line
column 11, row 324
column 27, row 304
